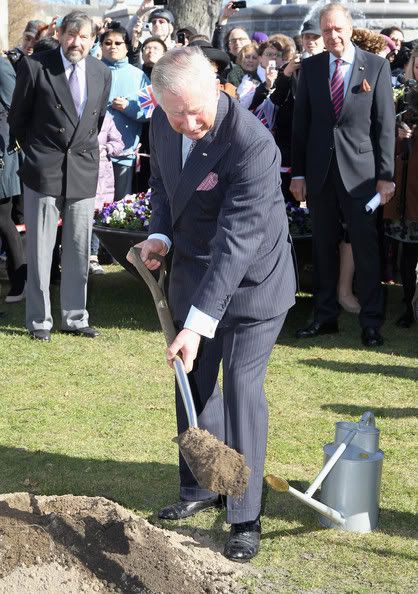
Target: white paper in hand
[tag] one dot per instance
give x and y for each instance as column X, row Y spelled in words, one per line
column 373, row 203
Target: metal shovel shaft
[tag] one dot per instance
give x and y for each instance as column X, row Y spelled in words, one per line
column 186, row 394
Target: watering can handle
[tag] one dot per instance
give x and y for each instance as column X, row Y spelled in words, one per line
column 367, row 418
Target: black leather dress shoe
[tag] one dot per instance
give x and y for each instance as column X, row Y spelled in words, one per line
column 86, row 331
column 406, row 320
column 317, row 328
column 44, row 335
column 244, row 541
column 185, row 509
column 371, row 337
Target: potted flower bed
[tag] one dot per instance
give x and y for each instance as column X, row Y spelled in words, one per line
column 122, row 224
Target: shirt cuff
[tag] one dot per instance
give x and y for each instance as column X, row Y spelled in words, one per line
column 201, row 323
column 161, row 237
column 298, row 177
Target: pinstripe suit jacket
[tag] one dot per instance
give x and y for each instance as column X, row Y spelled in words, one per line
column 232, row 252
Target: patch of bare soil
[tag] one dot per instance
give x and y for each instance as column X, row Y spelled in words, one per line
column 84, row 545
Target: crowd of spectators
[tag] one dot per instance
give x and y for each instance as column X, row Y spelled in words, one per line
column 261, row 71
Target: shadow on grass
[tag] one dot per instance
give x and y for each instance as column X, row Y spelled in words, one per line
column 143, row 486
column 401, row 371
column 383, row 412
column 288, row 508
column 114, row 300
column 398, row 341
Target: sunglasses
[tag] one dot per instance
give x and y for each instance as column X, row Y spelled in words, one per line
column 109, row 43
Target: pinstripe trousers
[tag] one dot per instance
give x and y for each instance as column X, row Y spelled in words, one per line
column 239, row 416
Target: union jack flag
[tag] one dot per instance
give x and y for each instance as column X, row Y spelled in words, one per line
column 147, row 100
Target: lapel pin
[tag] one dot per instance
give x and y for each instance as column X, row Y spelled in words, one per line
column 361, row 67
column 205, row 154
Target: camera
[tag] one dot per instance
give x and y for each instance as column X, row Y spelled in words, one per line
column 239, row 4
column 181, row 38
column 14, row 55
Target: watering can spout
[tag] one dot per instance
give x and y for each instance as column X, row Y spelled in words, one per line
column 281, row 485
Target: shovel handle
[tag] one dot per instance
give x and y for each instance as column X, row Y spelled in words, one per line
column 157, row 291
column 167, row 326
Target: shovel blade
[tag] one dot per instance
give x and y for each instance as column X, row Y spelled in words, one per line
column 214, row 465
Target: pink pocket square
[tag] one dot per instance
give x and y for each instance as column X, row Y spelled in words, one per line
column 208, row 183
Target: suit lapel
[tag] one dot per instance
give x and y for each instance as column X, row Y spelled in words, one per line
column 358, row 72
column 56, row 74
column 323, row 86
column 205, row 155
column 94, row 89
column 173, row 158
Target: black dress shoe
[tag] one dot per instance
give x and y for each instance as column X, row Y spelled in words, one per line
column 317, row 328
column 371, row 337
column 44, row 335
column 185, row 509
column 406, row 320
column 244, row 541
column 86, row 331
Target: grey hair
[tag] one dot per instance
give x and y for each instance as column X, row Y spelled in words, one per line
column 336, row 6
column 180, row 69
column 76, row 20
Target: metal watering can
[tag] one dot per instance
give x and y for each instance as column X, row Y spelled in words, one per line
column 350, row 478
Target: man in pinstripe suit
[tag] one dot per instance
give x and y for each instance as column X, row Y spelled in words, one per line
column 215, row 178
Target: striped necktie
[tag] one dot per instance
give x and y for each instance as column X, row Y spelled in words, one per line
column 74, row 85
column 337, row 89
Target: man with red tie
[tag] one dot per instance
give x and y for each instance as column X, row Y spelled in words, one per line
column 342, row 155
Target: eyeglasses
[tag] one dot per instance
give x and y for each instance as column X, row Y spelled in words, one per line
column 109, row 43
column 236, row 39
column 272, row 55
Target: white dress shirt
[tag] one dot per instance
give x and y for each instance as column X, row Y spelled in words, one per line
column 81, row 75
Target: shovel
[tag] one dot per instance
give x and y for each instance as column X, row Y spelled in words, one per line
column 214, row 465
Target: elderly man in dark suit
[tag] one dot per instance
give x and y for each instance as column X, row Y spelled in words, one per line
column 216, row 195
column 343, row 153
column 57, row 109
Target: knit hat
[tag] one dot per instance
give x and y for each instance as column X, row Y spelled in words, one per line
column 259, row 36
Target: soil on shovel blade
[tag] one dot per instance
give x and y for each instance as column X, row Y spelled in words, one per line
column 84, row 545
column 215, row 466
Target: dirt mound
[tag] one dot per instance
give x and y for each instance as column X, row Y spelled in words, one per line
column 74, row 545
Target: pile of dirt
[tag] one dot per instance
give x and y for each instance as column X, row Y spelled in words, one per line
column 74, row 545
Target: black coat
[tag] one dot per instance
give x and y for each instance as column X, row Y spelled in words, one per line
column 61, row 151
column 9, row 180
column 363, row 138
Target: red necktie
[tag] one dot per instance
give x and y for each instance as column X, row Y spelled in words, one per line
column 337, row 89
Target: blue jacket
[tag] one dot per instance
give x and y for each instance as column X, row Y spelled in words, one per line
column 126, row 82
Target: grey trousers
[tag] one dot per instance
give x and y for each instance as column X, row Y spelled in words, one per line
column 42, row 214
column 239, row 416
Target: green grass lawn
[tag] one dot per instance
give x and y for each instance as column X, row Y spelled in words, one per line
column 96, row 417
